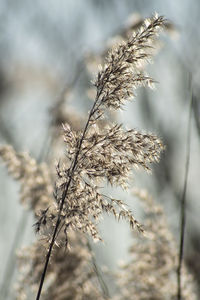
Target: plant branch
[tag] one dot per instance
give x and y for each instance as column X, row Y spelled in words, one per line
column 183, row 204
column 64, row 194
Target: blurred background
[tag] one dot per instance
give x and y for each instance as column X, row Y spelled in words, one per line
column 45, row 50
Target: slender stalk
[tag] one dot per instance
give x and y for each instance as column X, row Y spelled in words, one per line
column 64, row 194
column 183, row 205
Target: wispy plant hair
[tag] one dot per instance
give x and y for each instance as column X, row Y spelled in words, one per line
column 94, row 157
column 150, row 273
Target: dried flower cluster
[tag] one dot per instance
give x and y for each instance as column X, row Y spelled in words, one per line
column 94, row 156
column 36, row 187
column 133, row 24
column 70, row 274
column 121, row 74
column 151, row 272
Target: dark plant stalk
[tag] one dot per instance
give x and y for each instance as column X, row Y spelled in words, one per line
column 64, row 194
column 196, row 113
column 183, row 204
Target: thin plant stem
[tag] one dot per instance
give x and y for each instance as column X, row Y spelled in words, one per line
column 10, row 265
column 183, row 205
column 64, row 194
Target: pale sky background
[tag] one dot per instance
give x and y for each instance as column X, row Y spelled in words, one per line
column 41, row 43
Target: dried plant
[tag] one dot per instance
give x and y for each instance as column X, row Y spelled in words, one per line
column 133, row 24
column 70, row 274
column 151, row 272
column 36, row 186
column 95, row 157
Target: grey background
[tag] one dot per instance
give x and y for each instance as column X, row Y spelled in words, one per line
column 41, row 44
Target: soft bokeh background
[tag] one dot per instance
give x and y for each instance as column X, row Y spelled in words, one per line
column 42, row 48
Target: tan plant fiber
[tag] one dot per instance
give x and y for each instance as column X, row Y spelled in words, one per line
column 95, row 157
column 71, row 274
column 151, row 271
column 36, row 186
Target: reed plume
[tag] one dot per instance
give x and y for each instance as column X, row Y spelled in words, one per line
column 94, row 157
column 150, row 274
column 97, row 156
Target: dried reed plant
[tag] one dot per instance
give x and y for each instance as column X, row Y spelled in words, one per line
column 35, row 180
column 151, row 272
column 71, row 274
column 95, row 156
